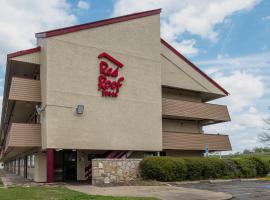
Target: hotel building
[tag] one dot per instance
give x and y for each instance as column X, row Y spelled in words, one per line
column 107, row 89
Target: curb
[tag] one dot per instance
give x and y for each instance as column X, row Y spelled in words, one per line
column 221, row 181
column 212, row 181
column 249, row 179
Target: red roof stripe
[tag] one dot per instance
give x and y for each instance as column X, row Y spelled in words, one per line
column 71, row 29
column 23, row 52
column 193, row 66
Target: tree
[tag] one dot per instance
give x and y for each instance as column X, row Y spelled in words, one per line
column 265, row 136
column 246, row 151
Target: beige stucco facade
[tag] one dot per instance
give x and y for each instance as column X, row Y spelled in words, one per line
column 160, row 107
column 71, row 79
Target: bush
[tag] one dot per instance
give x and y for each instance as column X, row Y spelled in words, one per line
column 231, row 169
column 213, row 168
column 194, row 168
column 262, row 167
column 178, row 169
column 163, row 168
column 246, row 167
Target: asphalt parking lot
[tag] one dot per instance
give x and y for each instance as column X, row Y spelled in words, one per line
column 244, row 190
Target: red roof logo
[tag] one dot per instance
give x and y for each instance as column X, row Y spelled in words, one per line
column 108, row 81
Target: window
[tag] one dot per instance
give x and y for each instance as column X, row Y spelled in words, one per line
column 28, row 161
column 162, row 153
column 22, row 162
column 32, row 160
column 149, row 154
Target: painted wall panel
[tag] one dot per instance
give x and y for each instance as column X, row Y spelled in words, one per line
column 72, row 70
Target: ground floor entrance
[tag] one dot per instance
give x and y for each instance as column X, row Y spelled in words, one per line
column 65, row 165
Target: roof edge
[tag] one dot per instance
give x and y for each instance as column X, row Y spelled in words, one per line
column 114, row 20
column 194, row 66
column 23, row 52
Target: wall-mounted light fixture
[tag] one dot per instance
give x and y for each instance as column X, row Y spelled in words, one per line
column 39, row 109
column 79, row 109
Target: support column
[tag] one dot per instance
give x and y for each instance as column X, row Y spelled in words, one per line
column 50, row 165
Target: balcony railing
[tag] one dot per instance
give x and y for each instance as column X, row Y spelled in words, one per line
column 23, row 135
column 178, row 109
column 24, row 89
column 195, row 141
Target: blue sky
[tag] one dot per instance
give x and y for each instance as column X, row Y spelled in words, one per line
column 229, row 40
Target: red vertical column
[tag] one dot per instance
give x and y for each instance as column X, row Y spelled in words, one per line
column 50, row 165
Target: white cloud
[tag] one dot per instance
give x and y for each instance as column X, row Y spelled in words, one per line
column 194, row 16
column 186, row 46
column 243, row 87
column 211, row 70
column 21, row 19
column 83, row 5
column 251, row 120
column 248, row 62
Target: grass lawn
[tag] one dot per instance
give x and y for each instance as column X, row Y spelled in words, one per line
column 53, row 193
column 1, row 183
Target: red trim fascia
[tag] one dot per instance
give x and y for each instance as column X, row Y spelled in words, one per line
column 23, row 52
column 104, row 54
column 193, row 66
column 75, row 28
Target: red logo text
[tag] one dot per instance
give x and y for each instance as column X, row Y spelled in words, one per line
column 108, row 81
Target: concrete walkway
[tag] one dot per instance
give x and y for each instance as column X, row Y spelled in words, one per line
column 10, row 179
column 161, row 192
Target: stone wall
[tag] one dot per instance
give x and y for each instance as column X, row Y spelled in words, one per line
column 114, row 171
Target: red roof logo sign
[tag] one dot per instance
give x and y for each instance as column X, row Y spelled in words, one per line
column 108, row 81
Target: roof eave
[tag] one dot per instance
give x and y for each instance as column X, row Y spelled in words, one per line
column 23, row 52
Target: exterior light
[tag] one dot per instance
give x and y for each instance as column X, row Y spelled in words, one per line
column 39, row 109
column 79, row 109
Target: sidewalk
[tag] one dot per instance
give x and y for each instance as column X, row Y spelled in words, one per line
column 10, row 179
column 162, row 192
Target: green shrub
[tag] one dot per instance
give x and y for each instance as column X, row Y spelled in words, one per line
column 213, row 168
column 163, row 168
column 231, row 169
column 178, row 169
column 246, row 167
column 181, row 169
column 194, row 168
column 262, row 167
